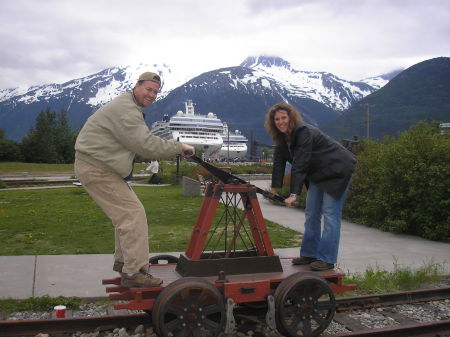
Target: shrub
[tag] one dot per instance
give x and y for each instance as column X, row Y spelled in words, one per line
column 402, row 185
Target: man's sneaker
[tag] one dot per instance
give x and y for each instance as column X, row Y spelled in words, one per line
column 140, row 280
column 321, row 265
column 303, row 260
column 118, row 266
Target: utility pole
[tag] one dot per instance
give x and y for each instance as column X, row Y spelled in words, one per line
column 177, row 174
column 228, row 147
column 367, row 105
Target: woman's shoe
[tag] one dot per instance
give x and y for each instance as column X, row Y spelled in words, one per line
column 302, row 260
column 321, row 265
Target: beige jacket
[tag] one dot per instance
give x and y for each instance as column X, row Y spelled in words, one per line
column 112, row 136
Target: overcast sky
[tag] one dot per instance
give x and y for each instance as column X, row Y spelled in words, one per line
column 53, row 41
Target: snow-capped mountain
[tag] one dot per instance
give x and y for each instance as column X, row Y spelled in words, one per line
column 380, row 81
column 254, row 85
column 326, row 88
column 102, row 86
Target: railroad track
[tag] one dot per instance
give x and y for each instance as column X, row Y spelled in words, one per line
column 37, row 182
column 45, row 182
column 244, row 315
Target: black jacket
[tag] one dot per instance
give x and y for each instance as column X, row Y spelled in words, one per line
column 315, row 157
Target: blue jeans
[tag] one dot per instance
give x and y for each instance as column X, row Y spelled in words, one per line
column 318, row 243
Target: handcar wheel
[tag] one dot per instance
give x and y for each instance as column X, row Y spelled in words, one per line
column 173, row 284
column 304, row 305
column 163, row 259
column 190, row 306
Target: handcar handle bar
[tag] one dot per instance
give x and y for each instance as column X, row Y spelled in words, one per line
column 228, row 178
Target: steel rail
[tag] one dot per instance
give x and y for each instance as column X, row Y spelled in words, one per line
column 69, row 325
column 13, row 328
column 426, row 329
column 387, row 299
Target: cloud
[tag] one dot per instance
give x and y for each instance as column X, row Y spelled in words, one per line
column 58, row 40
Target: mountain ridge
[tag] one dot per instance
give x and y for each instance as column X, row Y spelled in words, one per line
column 260, row 79
column 421, row 92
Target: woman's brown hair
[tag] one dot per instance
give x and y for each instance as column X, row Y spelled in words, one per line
column 294, row 121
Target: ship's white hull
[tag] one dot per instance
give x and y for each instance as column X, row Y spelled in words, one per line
column 210, row 147
column 234, row 151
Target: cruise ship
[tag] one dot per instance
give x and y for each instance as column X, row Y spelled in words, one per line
column 234, row 144
column 204, row 132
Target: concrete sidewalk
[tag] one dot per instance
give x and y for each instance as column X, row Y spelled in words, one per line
column 81, row 275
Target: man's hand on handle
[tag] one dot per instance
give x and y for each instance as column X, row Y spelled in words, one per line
column 187, row 150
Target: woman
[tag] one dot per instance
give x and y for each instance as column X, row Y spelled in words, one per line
column 326, row 167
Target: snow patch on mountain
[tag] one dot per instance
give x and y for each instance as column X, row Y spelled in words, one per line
column 104, row 85
column 6, row 94
column 111, row 89
column 381, row 80
column 376, row 82
column 323, row 87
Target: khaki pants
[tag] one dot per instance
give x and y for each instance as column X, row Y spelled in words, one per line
column 122, row 206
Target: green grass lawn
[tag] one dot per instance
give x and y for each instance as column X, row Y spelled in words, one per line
column 34, row 168
column 67, row 221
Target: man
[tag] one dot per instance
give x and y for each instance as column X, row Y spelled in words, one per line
column 154, row 169
column 105, row 150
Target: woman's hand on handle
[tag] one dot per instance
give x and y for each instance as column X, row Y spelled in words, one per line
column 291, row 201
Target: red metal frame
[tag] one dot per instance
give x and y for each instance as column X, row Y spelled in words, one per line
column 208, row 209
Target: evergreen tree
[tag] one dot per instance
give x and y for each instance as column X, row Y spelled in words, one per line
column 50, row 141
column 64, row 139
column 9, row 149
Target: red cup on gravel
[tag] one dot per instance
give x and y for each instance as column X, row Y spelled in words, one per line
column 60, row 311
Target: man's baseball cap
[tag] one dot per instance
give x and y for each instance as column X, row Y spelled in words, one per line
column 149, row 76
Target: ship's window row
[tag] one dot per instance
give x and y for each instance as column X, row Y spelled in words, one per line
column 187, row 136
column 215, row 121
